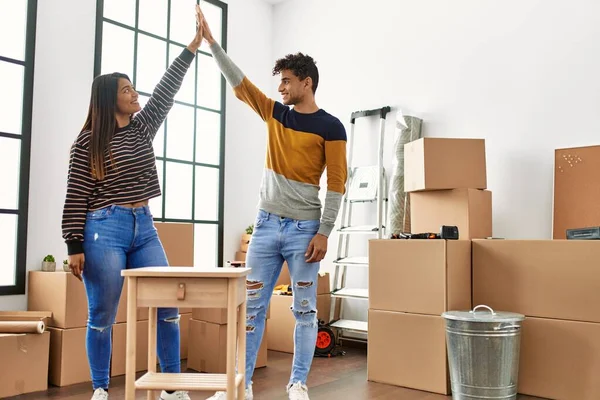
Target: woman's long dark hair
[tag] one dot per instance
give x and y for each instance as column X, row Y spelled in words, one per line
column 101, row 120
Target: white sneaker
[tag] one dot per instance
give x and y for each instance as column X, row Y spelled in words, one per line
column 100, row 394
column 298, row 391
column 223, row 395
column 179, row 395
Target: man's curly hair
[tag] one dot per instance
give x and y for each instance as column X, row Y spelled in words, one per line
column 302, row 65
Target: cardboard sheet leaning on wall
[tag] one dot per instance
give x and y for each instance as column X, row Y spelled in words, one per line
column 407, row 129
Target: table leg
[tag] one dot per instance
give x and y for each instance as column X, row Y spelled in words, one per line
column 231, row 337
column 131, row 336
column 151, row 346
column 241, row 349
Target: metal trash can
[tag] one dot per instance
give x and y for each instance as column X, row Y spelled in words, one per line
column 483, row 353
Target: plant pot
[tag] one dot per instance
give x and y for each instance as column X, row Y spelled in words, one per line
column 48, row 266
column 246, row 238
column 66, row 268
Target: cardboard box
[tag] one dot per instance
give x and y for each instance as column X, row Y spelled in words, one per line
column 68, row 357
column 24, row 366
column 121, row 317
column 439, row 163
column 208, row 350
column 576, row 189
column 119, row 348
column 184, row 335
column 178, row 242
column 240, row 256
column 468, row 209
column 62, row 294
column 420, row 276
column 408, row 350
column 560, row 359
column 539, row 278
column 283, row 322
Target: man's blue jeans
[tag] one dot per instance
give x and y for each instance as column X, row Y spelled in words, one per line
column 117, row 238
column 276, row 239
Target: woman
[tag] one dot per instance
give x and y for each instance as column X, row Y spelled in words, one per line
column 106, row 223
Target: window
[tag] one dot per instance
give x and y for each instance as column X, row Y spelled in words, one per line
column 17, row 30
column 141, row 39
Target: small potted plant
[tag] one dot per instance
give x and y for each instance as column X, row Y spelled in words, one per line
column 66, row 267
column 246, row 237
column 49, row 264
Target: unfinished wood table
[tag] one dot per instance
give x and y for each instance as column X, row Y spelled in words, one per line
column 156, row 287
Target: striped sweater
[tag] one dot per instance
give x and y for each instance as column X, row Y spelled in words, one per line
column 133, row 176
column 299, row 148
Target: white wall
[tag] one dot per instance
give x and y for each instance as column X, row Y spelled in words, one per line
column 62, row 82
column 521, row 74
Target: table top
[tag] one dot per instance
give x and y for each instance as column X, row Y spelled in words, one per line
column 187, row 272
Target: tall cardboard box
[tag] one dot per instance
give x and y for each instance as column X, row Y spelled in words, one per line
column 62, row 294
column 184, row 332
column 68, row 357
column 440, row 163
column 119, row 348
column 408, row 350
column 178, row 241
column 24, row 366
column 576, row 189
column 556, row 279
column 419, row 276
column 560, row 359
column 468, row 209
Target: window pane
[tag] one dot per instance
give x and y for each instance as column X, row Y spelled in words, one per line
column 214, row 17
column 10, row 151
column 205, row 245
column 180, row 133
column 208, row 137
column 117, row 50
column 153, row 16
column 156, row 203
column 151, row 62
column 209, row 83
column 8, row 249
column 183, row 21
column 159, row 139
column 179, row 191
column 120, row 10
column 11, row 97
column 207, row 194
column 186, row 92
column 13, row 25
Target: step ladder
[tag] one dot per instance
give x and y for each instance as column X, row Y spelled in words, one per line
column 365, row 185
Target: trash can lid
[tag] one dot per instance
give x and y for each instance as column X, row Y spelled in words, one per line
column 487, row 315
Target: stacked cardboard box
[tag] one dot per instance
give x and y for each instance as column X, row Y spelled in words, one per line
column 240, row 255
column 411, row 283
column 576, row 189
column 447, row 182
column 25, row 357
column 555, row 284
column 208, row 349
column 283, row 322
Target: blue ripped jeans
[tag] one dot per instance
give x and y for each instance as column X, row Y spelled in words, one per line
column 117, row 238
column 276, row 239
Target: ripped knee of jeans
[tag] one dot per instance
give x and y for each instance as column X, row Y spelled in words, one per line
column 101, row 329
column 173, row 320
column 306, row 317
column 304, row 285
column 254, row 289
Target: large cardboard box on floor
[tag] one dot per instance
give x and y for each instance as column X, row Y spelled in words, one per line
column 539, row 278
column 440, row 163
column 408, row 350
column 468, row 209
column 283, row 322
column 24, row 366
column 178, row 241
column 119, row 348
column 184, row 332
column 576, row 189
column 62, row 294
column 560, row 359
column 68, row 358
column 208, row 349
column 427, row 276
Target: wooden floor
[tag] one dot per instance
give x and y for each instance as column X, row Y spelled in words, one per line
column 335, row 378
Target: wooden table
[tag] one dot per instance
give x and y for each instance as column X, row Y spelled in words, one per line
column 155, row 287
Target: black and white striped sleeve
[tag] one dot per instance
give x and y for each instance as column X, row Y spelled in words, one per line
column 80, row 186
column 155, row 111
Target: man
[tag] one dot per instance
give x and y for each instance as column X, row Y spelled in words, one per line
column 302, row 141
